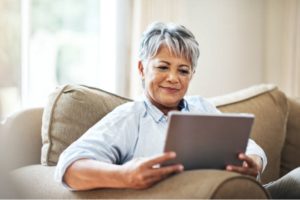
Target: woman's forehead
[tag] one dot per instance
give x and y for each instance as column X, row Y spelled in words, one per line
column 166, row 54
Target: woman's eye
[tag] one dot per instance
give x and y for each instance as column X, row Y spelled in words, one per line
column 162, row 68
column 184, row 71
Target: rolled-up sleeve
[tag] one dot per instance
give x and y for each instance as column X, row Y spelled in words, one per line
column 253, row 148
column 110, row 141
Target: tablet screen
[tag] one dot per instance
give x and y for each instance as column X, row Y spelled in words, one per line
column 207, row 141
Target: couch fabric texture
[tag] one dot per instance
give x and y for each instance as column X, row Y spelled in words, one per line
column 182, row 186
column 72, row 109
column 270, row 108
column 290, row 157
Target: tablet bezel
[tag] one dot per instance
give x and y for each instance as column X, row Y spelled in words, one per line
column 228, row 133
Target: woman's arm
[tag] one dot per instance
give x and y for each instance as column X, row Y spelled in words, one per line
column 140, row 173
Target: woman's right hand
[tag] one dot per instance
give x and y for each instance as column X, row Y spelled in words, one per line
column 142, row 173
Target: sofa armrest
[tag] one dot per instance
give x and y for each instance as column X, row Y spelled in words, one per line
column 22, row 130
column 37, row 181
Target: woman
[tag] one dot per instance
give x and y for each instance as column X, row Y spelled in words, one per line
column 124, row 149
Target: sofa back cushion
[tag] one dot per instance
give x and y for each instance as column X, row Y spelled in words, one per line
column 70, row 111
column 290, row 157
column 269, row 106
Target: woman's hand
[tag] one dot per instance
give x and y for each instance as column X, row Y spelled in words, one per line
column 252, row 165
column 142, row 173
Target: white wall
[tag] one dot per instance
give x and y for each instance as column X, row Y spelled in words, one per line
column 274, row 43
column 231, row 37
column 282, row 61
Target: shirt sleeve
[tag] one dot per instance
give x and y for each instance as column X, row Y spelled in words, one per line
column 255, row 149
column 110, row 140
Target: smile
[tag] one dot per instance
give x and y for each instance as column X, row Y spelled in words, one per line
column 170, row 89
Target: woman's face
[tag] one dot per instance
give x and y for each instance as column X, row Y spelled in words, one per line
column 166, row 78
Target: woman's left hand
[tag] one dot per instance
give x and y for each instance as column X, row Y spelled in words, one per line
column 252, row 165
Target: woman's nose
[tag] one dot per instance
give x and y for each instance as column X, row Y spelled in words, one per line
column 172, row 77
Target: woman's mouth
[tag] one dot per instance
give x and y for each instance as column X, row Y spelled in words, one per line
column 170, row 89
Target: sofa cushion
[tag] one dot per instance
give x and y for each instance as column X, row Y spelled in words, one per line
column 23, row 130
column 70, row 111
column 290, row 158
column 270, row 108
column 36, row 181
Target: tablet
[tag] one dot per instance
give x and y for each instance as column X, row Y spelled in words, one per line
column 207, row 141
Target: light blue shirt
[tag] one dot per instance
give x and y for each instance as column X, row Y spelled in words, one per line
column 134, row 129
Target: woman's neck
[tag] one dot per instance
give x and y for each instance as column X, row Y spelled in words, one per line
column 164, row 109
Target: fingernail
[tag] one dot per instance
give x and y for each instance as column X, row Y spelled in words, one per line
column 229, row 168
column 181, row 167
column 172, row 154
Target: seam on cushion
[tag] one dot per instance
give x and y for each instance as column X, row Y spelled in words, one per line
column 239, row 177
column 242, row 100
column 115, row 95
column 50, row 122
column 286, row 135
column 277, row 101
column 248, row 94
column 286, row 115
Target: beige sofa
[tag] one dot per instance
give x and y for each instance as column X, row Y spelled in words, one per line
column 38, row 136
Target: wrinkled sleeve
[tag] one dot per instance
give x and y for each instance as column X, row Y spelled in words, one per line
column 109, row 140
column 253, row 148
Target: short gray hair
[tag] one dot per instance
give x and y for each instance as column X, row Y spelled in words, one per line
column 177, row 38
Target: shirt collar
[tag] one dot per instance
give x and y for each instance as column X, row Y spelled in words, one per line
column 159, row 116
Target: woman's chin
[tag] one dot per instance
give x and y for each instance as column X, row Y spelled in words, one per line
column 170, row 104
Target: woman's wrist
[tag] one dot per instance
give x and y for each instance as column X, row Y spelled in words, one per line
column 258, row 161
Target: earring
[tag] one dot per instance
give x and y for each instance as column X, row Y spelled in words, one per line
column 143, row 82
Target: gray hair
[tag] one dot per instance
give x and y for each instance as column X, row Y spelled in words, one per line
column 177, row 38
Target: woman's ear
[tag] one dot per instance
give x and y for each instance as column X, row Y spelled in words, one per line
column 141, row 69
column 194, row 71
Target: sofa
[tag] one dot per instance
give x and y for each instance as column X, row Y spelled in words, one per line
column 34, row 138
